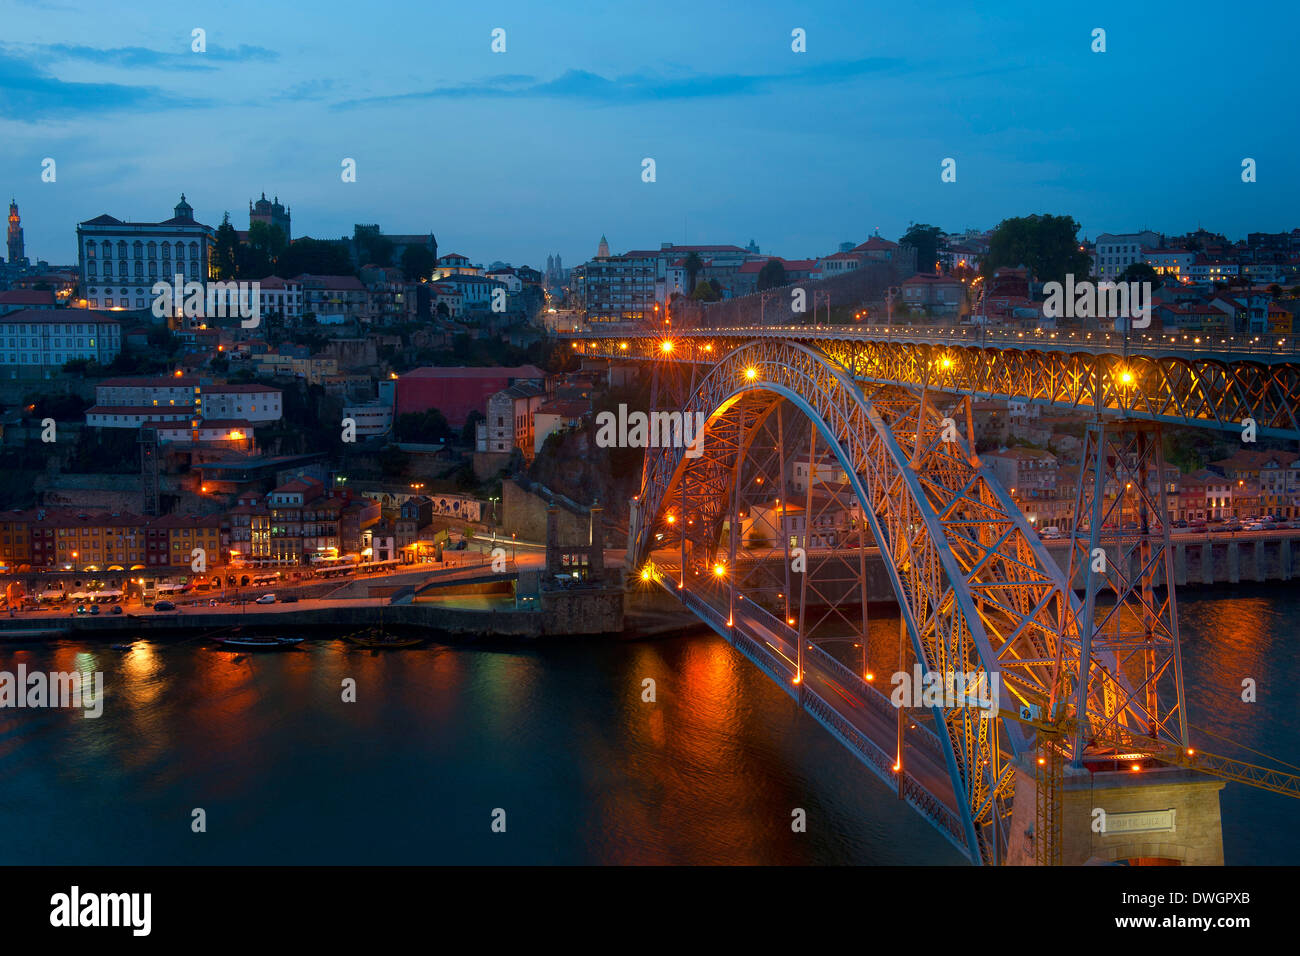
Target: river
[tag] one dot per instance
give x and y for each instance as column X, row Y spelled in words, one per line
column 558, row 737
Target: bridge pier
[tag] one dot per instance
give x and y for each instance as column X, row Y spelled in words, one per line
column 1155, row 817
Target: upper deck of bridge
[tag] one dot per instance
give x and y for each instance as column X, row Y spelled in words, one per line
column 1261, row 348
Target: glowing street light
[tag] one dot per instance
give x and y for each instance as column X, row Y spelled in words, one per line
column 751, row 373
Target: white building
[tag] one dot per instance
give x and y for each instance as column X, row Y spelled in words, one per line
column 1116, row 252
column 254, row 403
column 1174, row 263
column 372, row 418
column 36, row 343
column 120, row 261
column 131, row 402
column 178, row 391
column 281, row 297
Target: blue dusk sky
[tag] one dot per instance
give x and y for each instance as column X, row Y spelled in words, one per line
column 539, row 149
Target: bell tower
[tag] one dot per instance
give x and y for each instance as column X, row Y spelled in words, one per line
column 16, row 254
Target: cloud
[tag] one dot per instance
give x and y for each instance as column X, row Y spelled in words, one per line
column 139, row 57
column 583, row 85
column 28, row 93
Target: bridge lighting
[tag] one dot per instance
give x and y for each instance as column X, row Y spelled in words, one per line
column 1136, row 767
column 897, row 767
column 1126, row 377
column 666, row 346
column 672, row 519
column 751, row 373
column 945, row 362
column 719, row 570
column 646, row 574
column 623, row 346
column 870, row 676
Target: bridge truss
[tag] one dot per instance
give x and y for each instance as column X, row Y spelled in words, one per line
column 978, row 590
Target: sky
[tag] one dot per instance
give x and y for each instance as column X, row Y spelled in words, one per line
column 539, row 149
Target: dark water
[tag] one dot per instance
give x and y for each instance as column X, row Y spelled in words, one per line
column 558, row 737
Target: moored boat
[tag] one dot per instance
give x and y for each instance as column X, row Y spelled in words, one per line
column 251, row 642
column 377, row 638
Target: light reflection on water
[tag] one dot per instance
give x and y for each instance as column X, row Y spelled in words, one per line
column 558, row 736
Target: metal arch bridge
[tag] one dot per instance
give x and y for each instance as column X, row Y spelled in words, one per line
column 1175, row 378
column 978, row 592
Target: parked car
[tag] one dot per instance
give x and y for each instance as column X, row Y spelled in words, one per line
column 82, row 609
column 164, row 606
column 265, row 599
column 94, row 609
column 115, row 609
column 1051, row 533
column 1180, row 523
column 289, row 599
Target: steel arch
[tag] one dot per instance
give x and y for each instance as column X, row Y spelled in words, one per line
column 976, row 587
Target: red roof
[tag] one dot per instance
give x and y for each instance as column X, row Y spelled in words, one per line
column 27, row 297
column 58, row 315
column 486, row 371
column 144, row 381
column 183, row 411
column 239, row 389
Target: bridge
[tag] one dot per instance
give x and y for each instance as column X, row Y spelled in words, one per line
column 984, row 607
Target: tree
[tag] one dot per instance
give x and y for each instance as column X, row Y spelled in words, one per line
column 373, row 247
column 1048, row 245
column 1141, row 272
column 706, row 292
column 315, row 257
column 225, row 250
column 924, row 239
column 771, row 275
column 260, row 256
column 417, row 263
column 692, row 265
column 393, row 461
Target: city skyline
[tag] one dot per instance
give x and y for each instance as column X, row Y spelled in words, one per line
column 513, row 156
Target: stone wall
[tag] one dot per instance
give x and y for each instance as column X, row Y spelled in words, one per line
column 523, row 512
column 1164, row 813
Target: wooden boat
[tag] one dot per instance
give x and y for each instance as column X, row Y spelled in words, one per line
column 379, row 639
column 252, row 642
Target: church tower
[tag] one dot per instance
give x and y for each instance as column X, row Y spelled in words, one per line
column 602, row 251
column 16, row 254
column 183, row 209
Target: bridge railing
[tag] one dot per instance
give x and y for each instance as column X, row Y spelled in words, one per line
column 913, row 792
column 1137, row 342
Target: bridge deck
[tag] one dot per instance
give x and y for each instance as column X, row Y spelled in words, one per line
column 857, row 714
column 1265, row 348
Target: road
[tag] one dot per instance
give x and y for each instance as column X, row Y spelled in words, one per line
column 922, row 760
